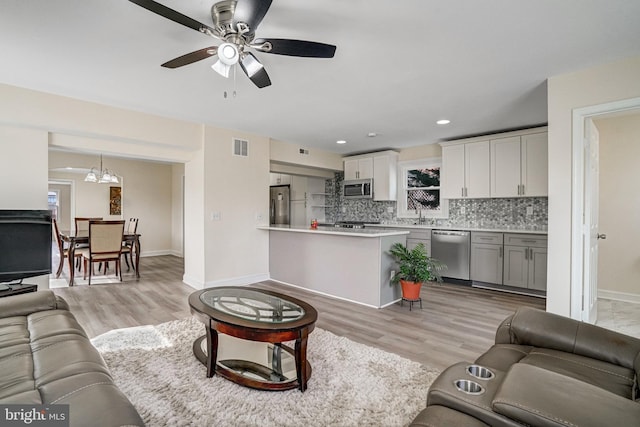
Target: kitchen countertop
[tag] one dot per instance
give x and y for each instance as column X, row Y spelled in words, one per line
column 329, row 230
column 435, row 227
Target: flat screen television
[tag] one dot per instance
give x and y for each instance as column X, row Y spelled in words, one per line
column 25, row 244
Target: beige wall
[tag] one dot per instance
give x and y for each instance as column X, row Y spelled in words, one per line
column 177, row 209
column 597, row 85
column 619, row 207
column 146, row 195
column 420, row 152
column 23, row 173
column 238, row 192
column 287, row 153
column 235, row 252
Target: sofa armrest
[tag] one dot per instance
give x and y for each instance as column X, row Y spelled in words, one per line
column 529, row 326
column 32, row 302
column 538, row 397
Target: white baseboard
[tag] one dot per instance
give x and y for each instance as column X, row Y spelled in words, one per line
column 619, row 296
column 176, row 253
column 193, row 282
column 232, row 281
column 144, row 254
column 238, row 281
column 328, row 295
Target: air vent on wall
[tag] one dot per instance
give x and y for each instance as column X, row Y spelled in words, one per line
column 240, row 147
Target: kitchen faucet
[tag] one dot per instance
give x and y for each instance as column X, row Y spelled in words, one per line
column 420, row 218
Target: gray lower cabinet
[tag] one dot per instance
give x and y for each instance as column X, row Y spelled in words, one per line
column 416, row 237
column 525, row 261
column 487, row 257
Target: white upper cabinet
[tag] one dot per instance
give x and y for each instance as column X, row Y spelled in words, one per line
column 535, row 159
column 359, row 168
column 452, row 173
column 519, row 166
column 505, row 167
column 465, row 170
column 381, row 166
column 385, row 176
column 510, row 164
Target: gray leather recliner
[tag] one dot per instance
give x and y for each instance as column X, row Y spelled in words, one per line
column 544, row 370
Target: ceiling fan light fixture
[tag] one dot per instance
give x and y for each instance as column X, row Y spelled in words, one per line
column 228, row 54
column 221, row 68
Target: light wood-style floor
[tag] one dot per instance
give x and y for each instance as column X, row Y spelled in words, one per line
column 457, row 323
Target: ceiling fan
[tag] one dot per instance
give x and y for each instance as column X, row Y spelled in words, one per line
column 235, row 23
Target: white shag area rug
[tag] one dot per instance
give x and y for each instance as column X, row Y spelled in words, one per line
column 351, row 384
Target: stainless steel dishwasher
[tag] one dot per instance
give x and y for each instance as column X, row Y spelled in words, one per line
column 453, row 248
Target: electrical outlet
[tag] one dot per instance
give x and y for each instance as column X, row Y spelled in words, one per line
column 216, row 216
column 390, row 209
column 259, row 216
column 529, row 210
column 463, row 210
column 393, row 273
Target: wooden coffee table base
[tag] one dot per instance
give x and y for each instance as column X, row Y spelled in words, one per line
column 232, row 369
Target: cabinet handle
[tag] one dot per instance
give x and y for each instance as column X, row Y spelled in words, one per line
column 531, row 254
column 501, row 252
column 526, row 254
column 462, row 192
column 518, row 189
column 523, row 192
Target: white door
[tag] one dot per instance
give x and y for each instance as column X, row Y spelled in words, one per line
column 591, row 236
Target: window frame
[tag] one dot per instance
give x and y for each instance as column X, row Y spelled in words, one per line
column 403, row 168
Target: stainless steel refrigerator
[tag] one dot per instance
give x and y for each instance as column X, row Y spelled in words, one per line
column 279, row 205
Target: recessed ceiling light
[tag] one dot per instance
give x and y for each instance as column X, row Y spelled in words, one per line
column 69, row 168
column 341, row 141
column 443, row 122
column 372, row 134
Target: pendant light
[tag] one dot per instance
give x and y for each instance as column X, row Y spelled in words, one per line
column 102, row 176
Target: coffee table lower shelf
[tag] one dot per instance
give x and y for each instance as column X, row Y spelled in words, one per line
column 252, row 374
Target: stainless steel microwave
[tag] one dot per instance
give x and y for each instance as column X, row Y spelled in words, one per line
column 358, row 189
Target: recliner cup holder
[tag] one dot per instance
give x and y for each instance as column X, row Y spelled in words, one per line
column 480, row 372
column 469, row 387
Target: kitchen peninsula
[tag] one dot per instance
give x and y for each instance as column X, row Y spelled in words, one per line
column 349, row 264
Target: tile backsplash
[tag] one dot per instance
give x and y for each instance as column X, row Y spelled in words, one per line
column 482, row 213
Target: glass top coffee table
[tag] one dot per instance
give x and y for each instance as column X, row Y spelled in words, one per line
column 261, row 321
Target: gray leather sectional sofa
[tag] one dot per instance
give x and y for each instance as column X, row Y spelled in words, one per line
column 46, row 358
column 544, row 370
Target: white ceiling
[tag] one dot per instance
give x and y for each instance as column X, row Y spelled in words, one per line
column 399, row 65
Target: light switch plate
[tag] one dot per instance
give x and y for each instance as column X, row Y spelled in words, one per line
column 216, row 216
column 529, row 210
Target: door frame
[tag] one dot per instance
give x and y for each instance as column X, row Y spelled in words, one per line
column 72, row 199
column 579, row 117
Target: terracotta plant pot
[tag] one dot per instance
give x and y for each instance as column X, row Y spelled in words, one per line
column 410, row 290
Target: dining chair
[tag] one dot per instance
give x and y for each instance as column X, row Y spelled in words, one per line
column 105, row 244
column 127, row 247
column 64, row 252
column 82, row 225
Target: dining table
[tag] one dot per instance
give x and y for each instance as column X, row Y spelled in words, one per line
column 82, row 237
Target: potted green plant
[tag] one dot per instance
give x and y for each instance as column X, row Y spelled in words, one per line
column 414, row 268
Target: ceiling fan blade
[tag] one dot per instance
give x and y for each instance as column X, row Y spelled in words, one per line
column 295, row 48
column 251, row 12
column 192, row 57
column 174, row 16
column 254, row 70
